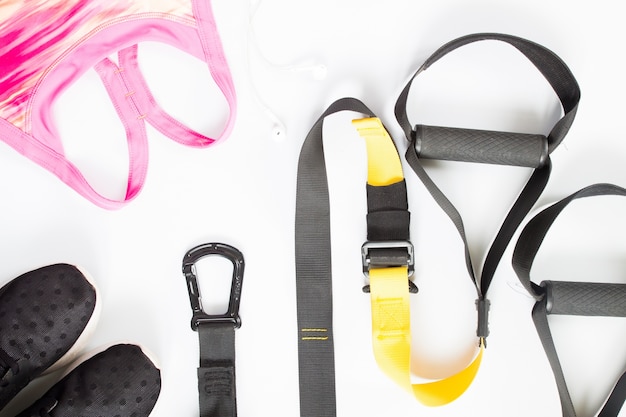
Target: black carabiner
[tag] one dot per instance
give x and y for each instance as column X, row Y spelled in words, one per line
column 189, row 270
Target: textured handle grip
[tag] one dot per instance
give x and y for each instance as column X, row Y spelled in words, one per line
column 585, row 298
column 489, row 147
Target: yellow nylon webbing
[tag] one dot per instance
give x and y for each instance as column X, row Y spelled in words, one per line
column 391, row 323
column 383, row 162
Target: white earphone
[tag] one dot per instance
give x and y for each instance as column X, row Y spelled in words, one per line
column 317, row 71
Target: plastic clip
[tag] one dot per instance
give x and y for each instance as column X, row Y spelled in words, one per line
column 482, row 305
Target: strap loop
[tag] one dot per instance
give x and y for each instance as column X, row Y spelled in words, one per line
column 387, row 264
column 571, row 298
column 493, row 147
column 547, row 62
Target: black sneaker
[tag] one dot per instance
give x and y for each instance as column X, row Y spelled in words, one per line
column 45, row 317
column 119, row 382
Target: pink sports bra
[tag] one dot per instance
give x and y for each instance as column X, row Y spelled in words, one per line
column 46, row 45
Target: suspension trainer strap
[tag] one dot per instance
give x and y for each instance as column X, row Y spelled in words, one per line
column 388, row 261
column 568, row 298
column 505, row 148
column 313, row 272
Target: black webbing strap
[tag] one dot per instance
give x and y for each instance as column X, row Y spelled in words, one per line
column 216, row 332
column 566, row 88
column 387, row 213
column 216, row 374
column 388, row 230
column 313, row 261
column 571, row 298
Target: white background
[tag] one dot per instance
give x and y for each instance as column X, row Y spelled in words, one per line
column 242, row 192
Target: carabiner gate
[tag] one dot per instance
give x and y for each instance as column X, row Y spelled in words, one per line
column 189, row 270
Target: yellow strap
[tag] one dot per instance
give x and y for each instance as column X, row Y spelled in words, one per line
column 383, row 162
column 391, row 336
column 391, row 324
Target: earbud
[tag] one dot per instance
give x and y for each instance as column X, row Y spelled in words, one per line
column 317, row 71
column 278, row 132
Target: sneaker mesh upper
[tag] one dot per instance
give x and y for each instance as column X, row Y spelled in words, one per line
column 119, row 382
column 42, row 314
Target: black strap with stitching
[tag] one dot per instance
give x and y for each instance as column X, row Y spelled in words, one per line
column 316, row 356
column 217, row 392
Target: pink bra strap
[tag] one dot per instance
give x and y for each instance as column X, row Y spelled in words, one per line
column 133, row 121
column 58, row 164
column 145, row 101
column 216, row 61
column 215, row 58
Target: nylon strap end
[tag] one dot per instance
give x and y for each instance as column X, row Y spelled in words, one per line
column 482, row 306
column 386, row 167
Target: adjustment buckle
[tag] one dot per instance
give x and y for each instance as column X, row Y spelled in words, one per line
column 387, row 254
column 189, row 270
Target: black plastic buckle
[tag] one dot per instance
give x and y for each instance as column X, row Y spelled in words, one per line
column 189, row 270
column 386, row 254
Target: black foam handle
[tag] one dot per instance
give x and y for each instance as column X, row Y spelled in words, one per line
column 483, row 146
column 585, row 298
